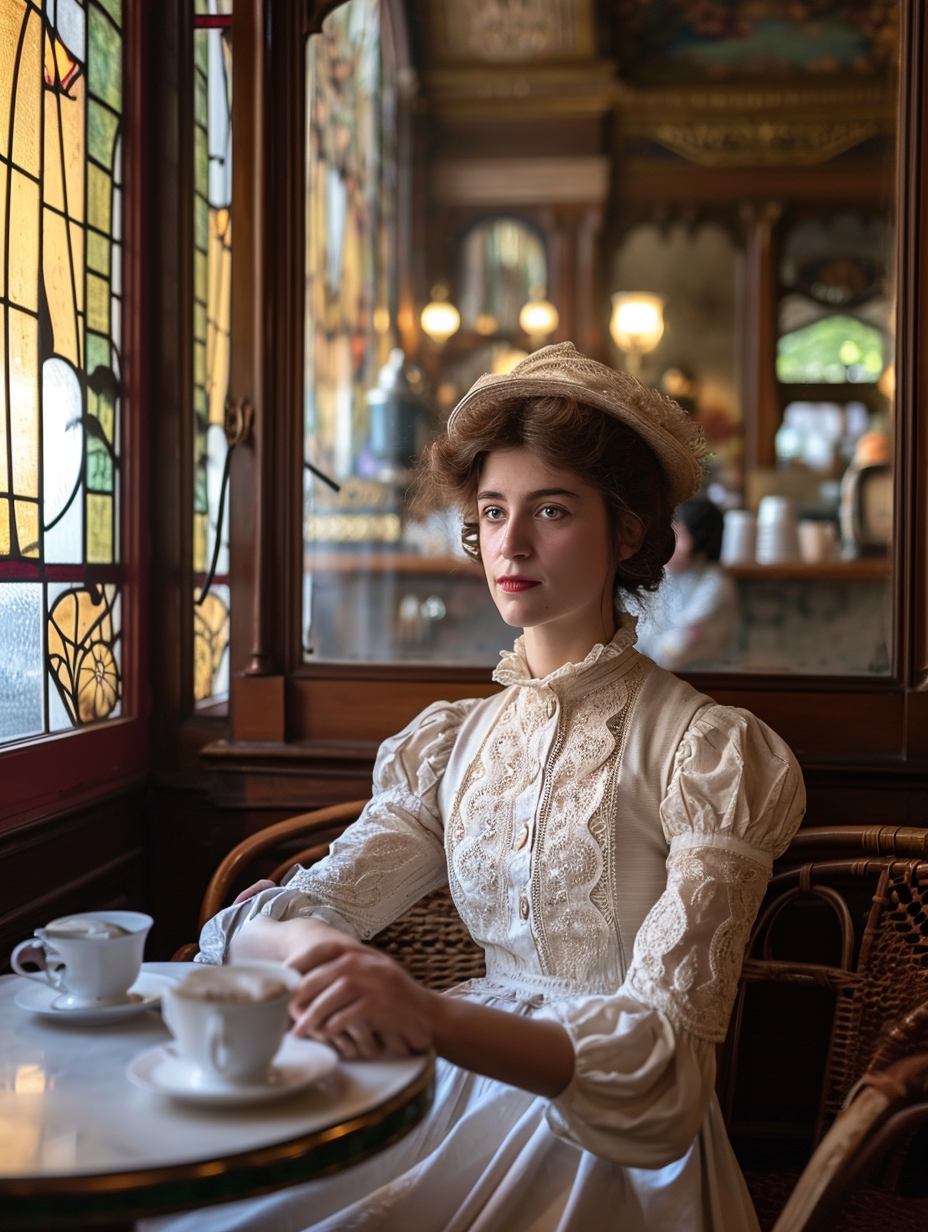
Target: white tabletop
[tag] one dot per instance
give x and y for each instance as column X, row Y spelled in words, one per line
column 68, row 1110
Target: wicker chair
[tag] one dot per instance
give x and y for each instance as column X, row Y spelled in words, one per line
column 839, row 949
column 430, row 939
column 889, row 1104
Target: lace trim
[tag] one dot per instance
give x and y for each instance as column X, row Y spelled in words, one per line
column 681, row 842
column 513, row 665
column 689, row 950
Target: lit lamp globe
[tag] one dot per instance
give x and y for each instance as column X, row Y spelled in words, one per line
column 538, row 318
column 637, row 325
column 439, row 318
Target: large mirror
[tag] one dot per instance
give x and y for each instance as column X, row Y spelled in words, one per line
column 706, row 203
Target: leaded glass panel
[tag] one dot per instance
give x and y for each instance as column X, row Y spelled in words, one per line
column 212, row 310
column 61, row 84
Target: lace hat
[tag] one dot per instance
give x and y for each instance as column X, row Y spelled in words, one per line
column 676, row 441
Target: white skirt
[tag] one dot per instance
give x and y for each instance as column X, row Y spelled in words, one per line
column 485, row 1160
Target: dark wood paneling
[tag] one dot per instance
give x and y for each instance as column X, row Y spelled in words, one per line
column 81, row 860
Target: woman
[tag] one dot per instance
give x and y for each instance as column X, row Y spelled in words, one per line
column 607, row 832
column 692, row 621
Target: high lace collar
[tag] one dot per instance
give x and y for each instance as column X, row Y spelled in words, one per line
column 603, row 662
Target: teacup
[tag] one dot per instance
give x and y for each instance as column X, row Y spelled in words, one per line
column 229, row 1021
column 91, row 958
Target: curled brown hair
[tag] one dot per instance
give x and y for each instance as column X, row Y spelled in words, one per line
column 600, row 449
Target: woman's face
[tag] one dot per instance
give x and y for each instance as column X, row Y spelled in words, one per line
column 547, row 547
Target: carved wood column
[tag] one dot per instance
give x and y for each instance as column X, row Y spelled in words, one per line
column 761, row 410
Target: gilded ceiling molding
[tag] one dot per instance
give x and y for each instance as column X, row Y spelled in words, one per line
column 730, row 127
column 532, row 91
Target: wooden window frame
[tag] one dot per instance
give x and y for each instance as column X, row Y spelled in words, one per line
column 59, row 771
column 303, row 734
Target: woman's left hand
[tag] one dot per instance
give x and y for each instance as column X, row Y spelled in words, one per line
column 362, row 1003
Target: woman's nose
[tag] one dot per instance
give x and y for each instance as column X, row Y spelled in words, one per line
column 516, row 539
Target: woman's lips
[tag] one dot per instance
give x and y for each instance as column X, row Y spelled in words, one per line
column 512, row 585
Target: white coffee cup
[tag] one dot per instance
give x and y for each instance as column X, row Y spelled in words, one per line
column 90, row 958
column 229, row 1021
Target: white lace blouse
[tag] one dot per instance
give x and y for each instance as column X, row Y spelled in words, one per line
column 607, row 833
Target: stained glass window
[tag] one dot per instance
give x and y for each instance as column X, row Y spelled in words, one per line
column 61, row 90
column 212, row 308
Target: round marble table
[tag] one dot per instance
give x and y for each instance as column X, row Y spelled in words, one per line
column 80, row 1144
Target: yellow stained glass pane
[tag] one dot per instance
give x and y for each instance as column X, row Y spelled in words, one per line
column 98, row 253
column 4, row 473
column 99, row 199
column 211, row 636
column 99, row 528
column 3, row 192
column 98, row 304
column 59, row 285
column 64, row 147
column 24, row 253
column 77, row 251
column 199, row 543
column 27, row 527
column 4, row 528
column 27, row 103
column 200, row 276
column 24, row 402
column 11, row 21
column 199, row 362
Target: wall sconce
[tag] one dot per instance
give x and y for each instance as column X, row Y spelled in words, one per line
column 539, row 318
column 637, row 325
column 439, row 318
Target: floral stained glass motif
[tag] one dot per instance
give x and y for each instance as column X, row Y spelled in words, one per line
column 61, row 84
column 212, row 312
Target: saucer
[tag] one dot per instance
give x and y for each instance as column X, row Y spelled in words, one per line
column 298, row 1064
column 145, row 994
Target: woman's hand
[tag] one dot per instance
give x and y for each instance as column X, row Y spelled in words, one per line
column 252, row 890
column 361, row 1002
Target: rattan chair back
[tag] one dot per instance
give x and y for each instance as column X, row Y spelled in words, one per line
column 889, row 1103
column 430, row 939
column 879, row 970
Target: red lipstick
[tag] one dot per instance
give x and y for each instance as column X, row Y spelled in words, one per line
column 512, row 584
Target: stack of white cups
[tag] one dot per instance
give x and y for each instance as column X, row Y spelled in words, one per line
column 777, row 536
column 739, row 537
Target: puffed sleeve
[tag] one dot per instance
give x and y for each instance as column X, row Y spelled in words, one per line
column 644, row 1063
column 385, row 861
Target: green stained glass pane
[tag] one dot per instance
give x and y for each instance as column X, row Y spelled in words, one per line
column 200, row 495
column 199, row 403
column 200, row 276
column 101, row 133
column 99, row 199
column 98, row 352
column 201, row 223
column 832, row 351
column 199, row 363
column 98, row 253
column 99, row 528
column 201, row 7
column 104, row 59
column 98, row 303
column 114, row 8
column 201, row 58
column 199, row 322
column 99, row 467
column 201, row 157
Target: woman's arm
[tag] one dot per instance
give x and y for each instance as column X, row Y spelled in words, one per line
column 364, row 1004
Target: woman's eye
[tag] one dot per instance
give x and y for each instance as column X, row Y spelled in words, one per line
column 491, row 513
column 552, row 511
